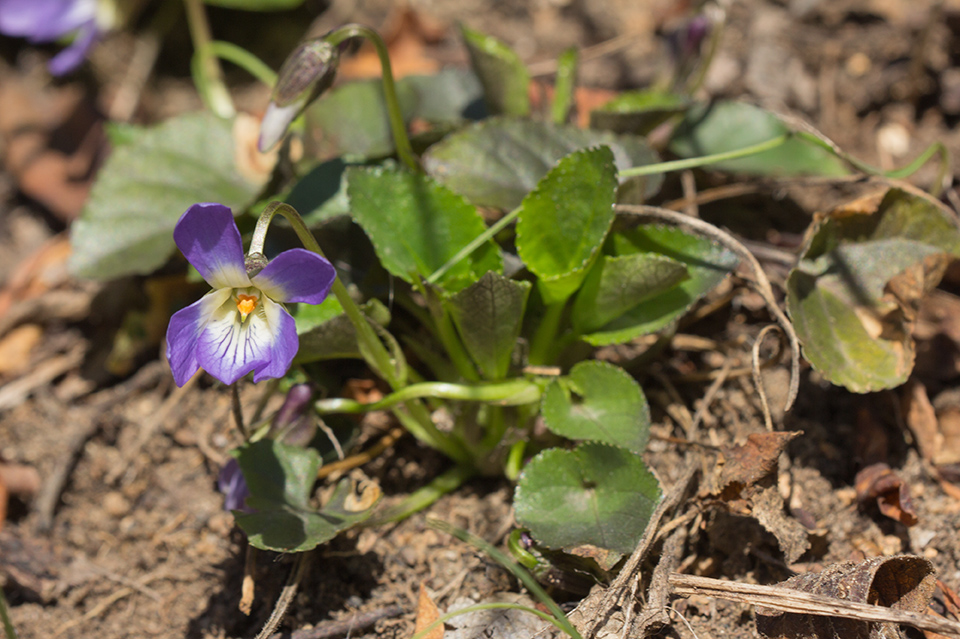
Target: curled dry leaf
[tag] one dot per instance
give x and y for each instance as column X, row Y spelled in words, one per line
column 745, row 483
column 427, row 613
column 904, row 583
column 879, row 484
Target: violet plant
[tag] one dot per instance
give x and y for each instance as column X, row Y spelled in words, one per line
column 484, row 345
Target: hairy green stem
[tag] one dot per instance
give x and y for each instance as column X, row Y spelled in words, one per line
column 417, row 420
column 441, row 485
column 514, row 392
column 398, row 126
column 245, row 60
column 544, row 341
column 692, row 163
column 206, row 69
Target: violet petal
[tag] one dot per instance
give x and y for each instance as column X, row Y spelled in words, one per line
column 183, row 334
column 297, row 275
column 208, row 237
column 74, row 55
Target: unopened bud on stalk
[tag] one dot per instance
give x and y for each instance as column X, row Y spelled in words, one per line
column 306, row 73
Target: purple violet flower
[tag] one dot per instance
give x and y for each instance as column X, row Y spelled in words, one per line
column 50, row 20
column 240, row 326
column 233, row 485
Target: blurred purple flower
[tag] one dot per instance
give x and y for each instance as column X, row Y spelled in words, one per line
column 240, row 326
column 234, row 487
column 50, row 20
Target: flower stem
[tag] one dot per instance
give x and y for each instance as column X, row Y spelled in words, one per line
column 544, row 339
column 399, row 128
column 509, row 393
column 418, row 420
column 245, row 60
column 207, row 73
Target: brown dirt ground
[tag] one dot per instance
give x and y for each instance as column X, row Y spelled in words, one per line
column 138, row 545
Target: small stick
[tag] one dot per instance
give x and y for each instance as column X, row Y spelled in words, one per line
column 795, row 601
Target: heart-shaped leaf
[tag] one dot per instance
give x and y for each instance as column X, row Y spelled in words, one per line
column 564, row 221
column 595, row 494
column 728, row 126
column 498, row 161
column 280, row 478
column 706, row 262
column 151, row 177
column 502, row 74
column 488, row 315
column 854, row 294
column 617, row 284
column 600, row 402
column 416, row 225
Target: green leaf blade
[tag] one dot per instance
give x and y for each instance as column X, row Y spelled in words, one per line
column 416, row 225
column 505, row 79
column 496, row 162
column 728, row 126
column 706, row 262
column 147, row 183
column 488, row 315
column 563, row 222
column 854, row 292
column 595, row 494
column 598, row 402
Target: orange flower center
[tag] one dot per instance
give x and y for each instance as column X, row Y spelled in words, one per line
column 246, row 304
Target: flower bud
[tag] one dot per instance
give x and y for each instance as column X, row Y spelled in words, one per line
column 306, row 73
column 295, row 423
column 254, row 263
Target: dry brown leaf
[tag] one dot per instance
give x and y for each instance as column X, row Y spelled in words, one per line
column 921, row 419
column 879, row 484
column 946, row 604
column 745, row 483
column 427, row 613
column 15, row 348
column 904, row 583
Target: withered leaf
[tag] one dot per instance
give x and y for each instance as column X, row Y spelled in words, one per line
column 427, row 613
column 746, row 484
column 904, row 583
column 879, row 484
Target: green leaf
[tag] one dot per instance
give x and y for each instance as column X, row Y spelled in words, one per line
column 595, row 494
column 598, row 401
column 727, row 126
column 854, row 294
column 617, row 284
column 145, row 186
column 256, row 5
column 280, row 479
column 496, row 162
column 502, row 74
column 321, row 194
column 707, row 264
column 488, row 315
column 638, row 111
column 326, row 332
column 353, row 118
column 416, row 225
column 564, row 221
